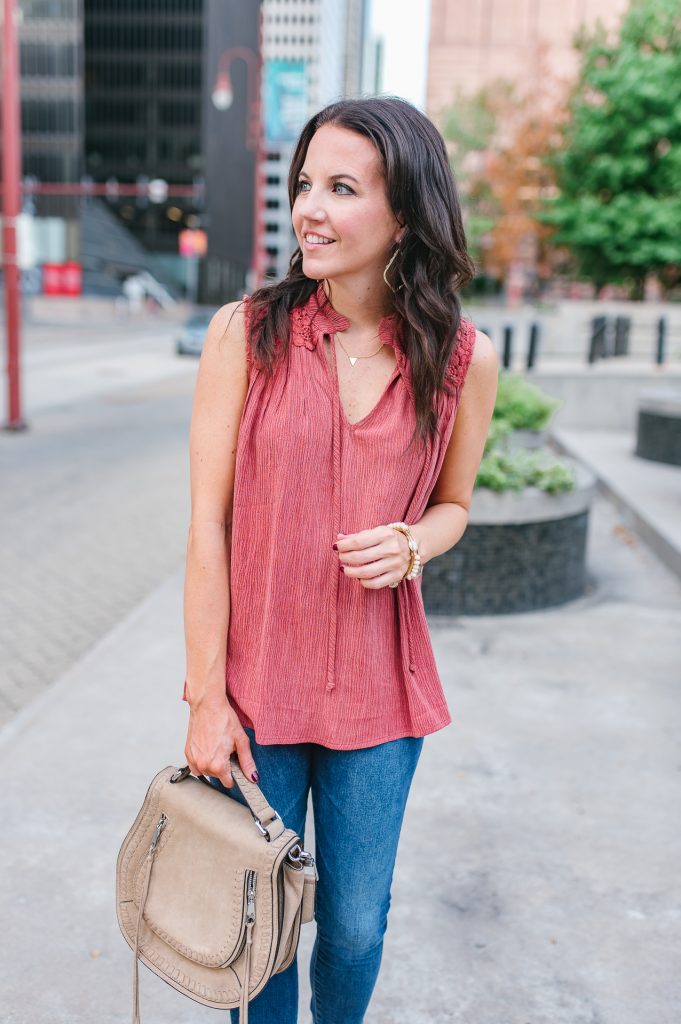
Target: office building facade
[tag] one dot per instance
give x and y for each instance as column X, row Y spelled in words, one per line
column 123, row 92
column 319, row 47
column 50, row 42
column 143, row 78
column 473, row 42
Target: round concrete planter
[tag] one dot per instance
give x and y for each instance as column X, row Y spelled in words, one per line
column 658, row 437
column 521, row 551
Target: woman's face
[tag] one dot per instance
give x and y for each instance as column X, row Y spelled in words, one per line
column 341, row 215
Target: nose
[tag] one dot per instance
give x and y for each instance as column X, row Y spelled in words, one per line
column 311, row 206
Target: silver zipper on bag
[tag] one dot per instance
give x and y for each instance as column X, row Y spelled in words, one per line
column 250, row 898
column 161, row 824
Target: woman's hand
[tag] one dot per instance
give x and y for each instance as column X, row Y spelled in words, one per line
column 214, row 733
column 375, row 557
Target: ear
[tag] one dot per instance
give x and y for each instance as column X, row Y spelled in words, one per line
column 400, row 233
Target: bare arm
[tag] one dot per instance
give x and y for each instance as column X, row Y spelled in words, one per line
column 446, row 517
column 221, row 385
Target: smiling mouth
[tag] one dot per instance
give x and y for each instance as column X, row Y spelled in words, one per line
column 312, row 239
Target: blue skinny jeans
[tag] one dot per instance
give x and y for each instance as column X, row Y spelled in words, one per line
column 358, row 801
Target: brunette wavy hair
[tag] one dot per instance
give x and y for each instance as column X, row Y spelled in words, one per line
column 432, row 263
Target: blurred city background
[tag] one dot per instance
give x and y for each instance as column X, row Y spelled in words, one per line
column 145, row 148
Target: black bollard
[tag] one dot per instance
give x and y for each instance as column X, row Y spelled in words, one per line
column 533, row 347
column 508, row 347
column 597, row 340
column 660, row 352
column 622, row 328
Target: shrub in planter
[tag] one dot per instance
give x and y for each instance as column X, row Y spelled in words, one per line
column 521, row 412
column 525, row 544
column 516, row 469
column 522, row 404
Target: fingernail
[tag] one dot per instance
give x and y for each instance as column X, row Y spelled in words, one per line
column 335, row 547
column 255, row 777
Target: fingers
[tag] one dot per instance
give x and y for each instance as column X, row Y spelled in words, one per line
column 352, row 554
column 225, row 776
column 246, row 762
column 375, row 575
column 221, row 771
column 190, row 761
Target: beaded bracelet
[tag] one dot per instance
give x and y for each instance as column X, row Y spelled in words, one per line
column 415, row 567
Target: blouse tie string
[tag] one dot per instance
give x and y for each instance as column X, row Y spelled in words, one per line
column 404, row 590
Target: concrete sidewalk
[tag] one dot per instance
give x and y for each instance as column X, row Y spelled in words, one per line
column 538, row 875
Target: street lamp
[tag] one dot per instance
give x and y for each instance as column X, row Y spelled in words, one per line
column 222, row 96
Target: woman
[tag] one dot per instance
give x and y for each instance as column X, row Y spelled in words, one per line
column 329, row 413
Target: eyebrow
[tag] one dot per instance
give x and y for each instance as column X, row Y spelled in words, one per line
column 341, row 174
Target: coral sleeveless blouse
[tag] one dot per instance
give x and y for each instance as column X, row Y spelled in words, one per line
column 312, row 655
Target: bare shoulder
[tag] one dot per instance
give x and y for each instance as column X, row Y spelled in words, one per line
column 480, row 385
column 484, row 351
column 225, row 341
column 484, row 366
column 222, row 378
column 219, row 397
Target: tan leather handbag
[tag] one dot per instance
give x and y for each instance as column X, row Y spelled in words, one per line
column 211, row 894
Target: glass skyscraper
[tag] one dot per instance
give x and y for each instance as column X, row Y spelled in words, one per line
column 143, row 107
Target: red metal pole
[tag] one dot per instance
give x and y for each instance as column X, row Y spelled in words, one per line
column 257, row 128
column 11, row 173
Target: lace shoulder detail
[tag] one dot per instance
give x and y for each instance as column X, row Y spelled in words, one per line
column 461, row 357
column 300, row 320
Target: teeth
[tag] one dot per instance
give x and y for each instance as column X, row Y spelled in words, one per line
column 317, row 238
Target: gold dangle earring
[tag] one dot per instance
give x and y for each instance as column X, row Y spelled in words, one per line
column 387, row 268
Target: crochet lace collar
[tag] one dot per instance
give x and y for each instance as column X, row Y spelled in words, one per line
column 317, row 318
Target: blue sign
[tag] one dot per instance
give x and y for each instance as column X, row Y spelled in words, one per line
column 286, row 103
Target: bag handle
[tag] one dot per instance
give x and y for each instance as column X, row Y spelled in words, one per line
column 267, row 820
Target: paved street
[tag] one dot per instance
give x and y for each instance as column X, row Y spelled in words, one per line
column 95, row 500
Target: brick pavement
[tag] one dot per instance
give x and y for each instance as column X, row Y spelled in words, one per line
column 94, row 515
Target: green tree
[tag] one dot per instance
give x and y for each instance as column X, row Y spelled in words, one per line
column 498, row 140
column 469, row 126
column 618, row 207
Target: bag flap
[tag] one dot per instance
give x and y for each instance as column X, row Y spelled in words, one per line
column 196, row 901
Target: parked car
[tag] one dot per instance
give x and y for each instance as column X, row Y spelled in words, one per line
column 190, row 341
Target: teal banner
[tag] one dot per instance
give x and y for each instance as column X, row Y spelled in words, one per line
column 285, row 90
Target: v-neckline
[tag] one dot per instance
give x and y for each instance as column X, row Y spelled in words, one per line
column 335, row 384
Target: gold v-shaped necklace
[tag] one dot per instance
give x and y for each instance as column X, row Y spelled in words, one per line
column 353, row 359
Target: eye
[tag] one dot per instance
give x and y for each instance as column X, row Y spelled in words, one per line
column 299, row 185
column 341, row 184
